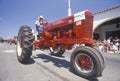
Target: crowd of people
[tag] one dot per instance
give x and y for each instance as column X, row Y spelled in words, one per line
column 111, row 45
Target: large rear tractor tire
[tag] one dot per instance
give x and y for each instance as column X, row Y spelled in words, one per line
column 24, row 44
column 57, row 52
column 87, row 62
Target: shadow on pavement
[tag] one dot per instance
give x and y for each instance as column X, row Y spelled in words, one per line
column 59, row 62
column 31, row 61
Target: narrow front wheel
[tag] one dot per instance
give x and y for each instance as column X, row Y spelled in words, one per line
column 56, row 52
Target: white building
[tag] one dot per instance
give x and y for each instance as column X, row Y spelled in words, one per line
column 107, row 23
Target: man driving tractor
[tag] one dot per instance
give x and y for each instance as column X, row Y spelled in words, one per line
column 39, row 25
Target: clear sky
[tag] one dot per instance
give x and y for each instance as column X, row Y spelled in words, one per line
column 14, row 13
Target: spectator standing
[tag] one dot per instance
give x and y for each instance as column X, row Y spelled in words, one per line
column 116, row 42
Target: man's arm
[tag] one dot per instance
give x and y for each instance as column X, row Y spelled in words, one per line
column 37, row 23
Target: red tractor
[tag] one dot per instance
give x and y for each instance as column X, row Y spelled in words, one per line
column 12, row 41
column 62, row 35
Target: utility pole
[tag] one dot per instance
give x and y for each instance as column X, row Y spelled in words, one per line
column 69, row 8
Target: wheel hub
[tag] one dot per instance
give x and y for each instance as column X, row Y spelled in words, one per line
column 84, row 63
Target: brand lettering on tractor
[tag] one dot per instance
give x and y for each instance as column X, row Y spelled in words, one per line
column 79, row 16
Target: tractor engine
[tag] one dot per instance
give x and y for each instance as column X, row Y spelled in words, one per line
column 65, row 32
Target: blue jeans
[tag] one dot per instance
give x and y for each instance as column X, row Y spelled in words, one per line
column 39, row 29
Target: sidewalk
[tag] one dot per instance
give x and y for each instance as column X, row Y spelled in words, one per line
column 111, row 52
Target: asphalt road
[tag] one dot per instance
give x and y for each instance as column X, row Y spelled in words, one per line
column 44, row 67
